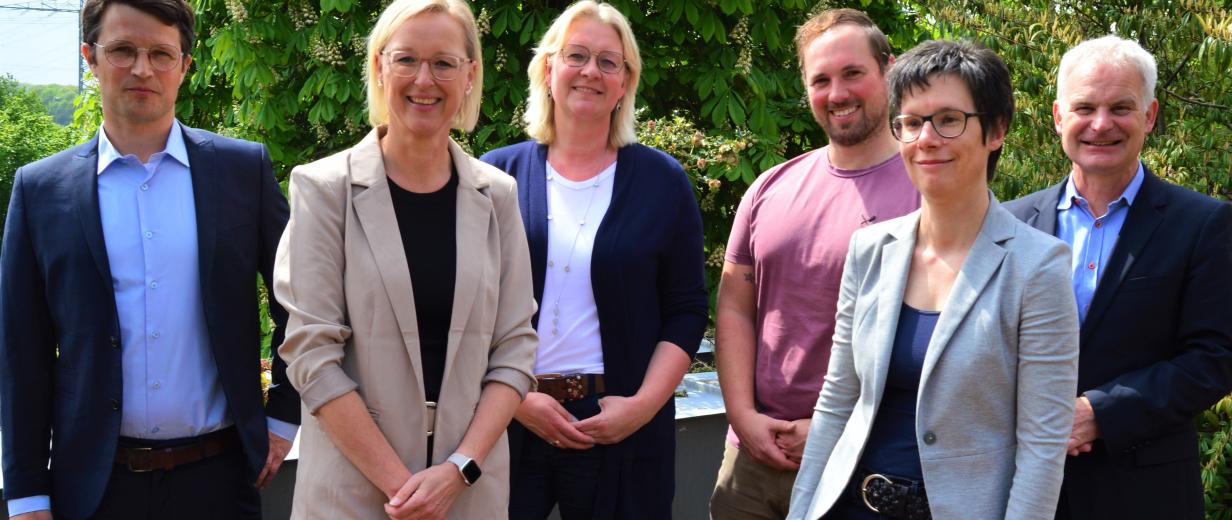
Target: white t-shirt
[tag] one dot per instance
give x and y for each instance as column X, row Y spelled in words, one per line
column 569, row 341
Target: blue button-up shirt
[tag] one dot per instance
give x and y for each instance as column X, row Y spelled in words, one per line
column 170, row 381
column 1092, row 238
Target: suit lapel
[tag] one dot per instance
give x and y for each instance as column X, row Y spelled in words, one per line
column 201, row 155
column 895, row 266
column 474, row 214
column 374, row 209
column 84, row 186
column 1144, row 216
column 982, row 262
column 1045, row 218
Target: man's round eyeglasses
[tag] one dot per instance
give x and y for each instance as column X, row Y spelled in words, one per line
column 578, row 56
column 443, row 67
column 947, row 123
column 122, row 54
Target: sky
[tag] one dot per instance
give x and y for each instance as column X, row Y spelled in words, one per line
column 38, row 47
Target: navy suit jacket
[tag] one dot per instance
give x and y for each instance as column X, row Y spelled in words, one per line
column 1155, row 351
column 647, row 274
column 60, row 363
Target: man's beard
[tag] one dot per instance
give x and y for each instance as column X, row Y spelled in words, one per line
column 858, row 131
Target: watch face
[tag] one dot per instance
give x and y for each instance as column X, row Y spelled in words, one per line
column 471, row 472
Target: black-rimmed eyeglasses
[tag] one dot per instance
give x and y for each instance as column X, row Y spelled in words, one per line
column 947, row 123
column 122, row 54
column 578, row 56
column 443, row 67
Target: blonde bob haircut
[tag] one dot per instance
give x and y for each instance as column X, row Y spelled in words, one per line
column 539, row 108
column 391, row 19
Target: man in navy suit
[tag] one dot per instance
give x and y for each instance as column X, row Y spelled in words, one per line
column 1152, row 273
column 128, row 309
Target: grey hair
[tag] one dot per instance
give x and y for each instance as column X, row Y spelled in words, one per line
column 1110, row 50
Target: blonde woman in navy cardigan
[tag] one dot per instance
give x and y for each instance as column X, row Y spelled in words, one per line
column 616, row 254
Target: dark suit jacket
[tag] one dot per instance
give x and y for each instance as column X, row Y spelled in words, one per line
column 1156, row 350
column 647, row 274
column 60, row 374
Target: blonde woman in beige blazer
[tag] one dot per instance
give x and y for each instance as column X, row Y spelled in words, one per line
column 356, row 347
column 950, row 390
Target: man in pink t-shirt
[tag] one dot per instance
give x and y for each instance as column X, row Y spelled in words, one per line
column 784, row 263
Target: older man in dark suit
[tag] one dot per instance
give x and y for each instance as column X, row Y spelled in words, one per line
column 1152, row 273
column 128, row 308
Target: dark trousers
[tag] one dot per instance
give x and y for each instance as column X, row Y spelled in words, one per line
column 543, row 476
column 209, row 489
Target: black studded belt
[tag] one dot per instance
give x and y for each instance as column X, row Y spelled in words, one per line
column 894, row 497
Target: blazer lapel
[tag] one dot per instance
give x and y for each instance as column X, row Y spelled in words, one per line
column 1045, row 218
column 474, row 214
column 205, row 199
column 892, row 281
column 1144, row 216
column 535, row 218
column 982, row 262
column 374, row 209
column 84, row 185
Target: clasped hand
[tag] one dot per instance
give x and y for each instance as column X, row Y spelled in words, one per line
column 427, row 495
column 617, row 419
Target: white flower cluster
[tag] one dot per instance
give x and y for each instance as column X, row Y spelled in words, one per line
column 238, row 12
column 740, row 36
column 303, row 15
column 329, row 53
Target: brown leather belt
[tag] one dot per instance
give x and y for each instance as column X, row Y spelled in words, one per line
column 565, row 388
column 140, row 460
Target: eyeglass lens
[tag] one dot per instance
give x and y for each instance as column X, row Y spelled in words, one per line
column 947, row 123
column 578, row 56
column 123, row 54
column 443, row 67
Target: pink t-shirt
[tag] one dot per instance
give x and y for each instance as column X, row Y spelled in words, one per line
column 793, row 226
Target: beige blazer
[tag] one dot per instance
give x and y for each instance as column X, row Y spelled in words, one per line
column 996, row 396
column 341, row 273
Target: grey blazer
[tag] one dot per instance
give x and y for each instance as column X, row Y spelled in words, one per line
column 996, row 397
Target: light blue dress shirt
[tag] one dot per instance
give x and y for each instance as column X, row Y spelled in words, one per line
column 149, row 220
column 1092, row 238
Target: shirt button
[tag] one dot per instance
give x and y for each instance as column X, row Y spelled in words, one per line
column 1099, row 224
column 156, row 385
column 930, row 438
column 145, row 187
column 153, row 285
column 115, row 404
column 154, row 430
column 115, row 342
column 156, row 334
column 1091, row 265
column 149, row 234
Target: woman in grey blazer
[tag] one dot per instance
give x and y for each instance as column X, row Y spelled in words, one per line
column 952, row 377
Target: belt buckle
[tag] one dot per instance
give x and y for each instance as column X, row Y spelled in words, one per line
column 864, row 488
column 431, row 419
column 146, row 455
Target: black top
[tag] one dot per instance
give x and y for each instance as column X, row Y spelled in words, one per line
column 892, row 448
column 427, row 223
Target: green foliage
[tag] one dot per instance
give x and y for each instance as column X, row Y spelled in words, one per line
column 27, row 133
column 1215, row 445
column 1191, row 39
column 58, row 99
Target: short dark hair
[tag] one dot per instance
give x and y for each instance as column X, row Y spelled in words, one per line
column 171, row 12
column 831, row 18
column 985, row 75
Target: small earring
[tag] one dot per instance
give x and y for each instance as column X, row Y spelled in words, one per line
column 618, row 105
column 468, row 88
